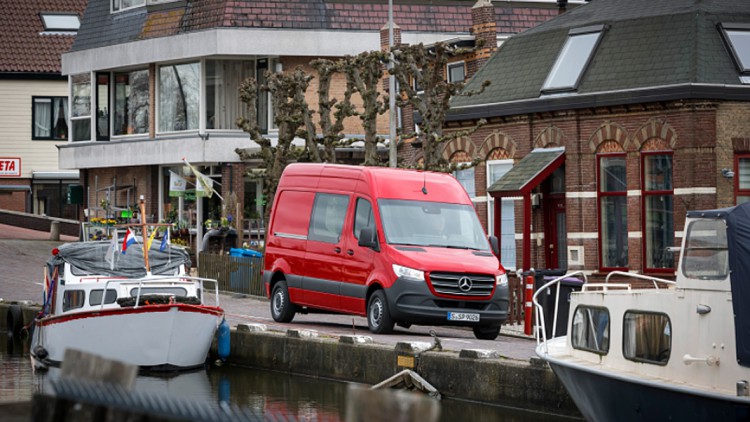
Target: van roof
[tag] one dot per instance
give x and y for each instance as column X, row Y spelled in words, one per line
column 387, row 182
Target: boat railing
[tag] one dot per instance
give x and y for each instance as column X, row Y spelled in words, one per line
column 182, row 279
column 654, row 280
column 541, row 334
column 605, row 286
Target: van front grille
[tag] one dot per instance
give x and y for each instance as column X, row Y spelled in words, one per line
column 460, row 284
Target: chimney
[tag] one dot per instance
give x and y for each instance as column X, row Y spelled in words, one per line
column 483, row 27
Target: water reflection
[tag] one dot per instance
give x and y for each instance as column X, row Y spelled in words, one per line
column 276, row 395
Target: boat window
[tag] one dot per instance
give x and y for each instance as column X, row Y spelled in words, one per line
column 647, row 337
column 706, row 255
column 170, row 291
column 73, row 299
column 95, row 297
column 590, row 329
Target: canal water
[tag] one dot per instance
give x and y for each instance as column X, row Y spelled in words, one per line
column 274, row 394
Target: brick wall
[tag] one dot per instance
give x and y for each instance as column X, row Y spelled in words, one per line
column 15, row 200
column 699, row 133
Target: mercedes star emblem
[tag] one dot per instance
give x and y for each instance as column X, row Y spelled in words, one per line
column 464, row 283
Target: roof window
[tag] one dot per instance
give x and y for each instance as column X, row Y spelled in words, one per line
column 573, row 59
column 118, row 5
column 55, row 22
column 737, row 37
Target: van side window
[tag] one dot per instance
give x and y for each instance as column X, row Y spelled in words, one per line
column 328, row 214
column 363, row 216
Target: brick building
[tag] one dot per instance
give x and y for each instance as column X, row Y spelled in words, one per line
column 155, row 81
column 605, row 125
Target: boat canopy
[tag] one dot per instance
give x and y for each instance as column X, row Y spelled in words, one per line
column 91, row 258
column 738, row 239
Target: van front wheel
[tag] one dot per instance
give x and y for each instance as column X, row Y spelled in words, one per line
column 487, row 333
column 282, row 310
column 378, row 317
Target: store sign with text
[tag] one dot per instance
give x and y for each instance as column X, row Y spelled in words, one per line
column 10, row 167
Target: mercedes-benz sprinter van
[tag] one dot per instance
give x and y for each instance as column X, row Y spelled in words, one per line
column 396, row 246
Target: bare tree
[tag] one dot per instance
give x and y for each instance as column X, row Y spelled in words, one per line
column 332, row 122
column 364, row 73
column 293, row 119
column 420, row 72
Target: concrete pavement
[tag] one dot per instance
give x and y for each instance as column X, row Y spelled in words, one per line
column 23, row 253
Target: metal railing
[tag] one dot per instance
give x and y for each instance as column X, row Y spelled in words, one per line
column 236, row 274
column 172, row 280
column 541, row 334
column 640, row 277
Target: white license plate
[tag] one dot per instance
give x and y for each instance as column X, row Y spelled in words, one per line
column 462, row 316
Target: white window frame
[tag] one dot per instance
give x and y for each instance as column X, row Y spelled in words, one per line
column 115, row 5
column 452, row 65
column 472, row 195
column 60, row 22
column 579, row 38
column 491, row 209
column 734, row 34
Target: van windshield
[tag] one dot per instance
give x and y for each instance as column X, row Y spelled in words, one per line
column 422, row 223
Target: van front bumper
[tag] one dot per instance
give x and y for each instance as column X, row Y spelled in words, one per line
column 412, row 302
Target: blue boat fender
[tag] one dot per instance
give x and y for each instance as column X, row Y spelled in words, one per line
column 224, row 340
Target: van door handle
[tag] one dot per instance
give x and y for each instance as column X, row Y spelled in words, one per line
column 337, row 249
column 350, row 252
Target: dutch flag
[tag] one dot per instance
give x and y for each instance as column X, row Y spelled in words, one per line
column 129, row 240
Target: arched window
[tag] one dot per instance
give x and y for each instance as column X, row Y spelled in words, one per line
column 612, row 197
column 657, row 192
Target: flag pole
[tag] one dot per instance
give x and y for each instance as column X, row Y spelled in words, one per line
column 144, row 233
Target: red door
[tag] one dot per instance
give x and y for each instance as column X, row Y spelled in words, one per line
column 555, row 232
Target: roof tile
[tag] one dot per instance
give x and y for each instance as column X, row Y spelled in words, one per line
column 24, row 46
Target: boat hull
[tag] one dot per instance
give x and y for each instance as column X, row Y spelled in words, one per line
column 153, row 337
column 603, row 397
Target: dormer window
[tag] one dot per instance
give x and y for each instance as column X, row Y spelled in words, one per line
column 57, row 22
column 118, row 5
column 573, row 59
column 737, row 37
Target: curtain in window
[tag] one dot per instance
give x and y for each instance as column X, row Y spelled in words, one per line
column 647, row 337
column 223, row 79
column 42, row 120
column 60, row 118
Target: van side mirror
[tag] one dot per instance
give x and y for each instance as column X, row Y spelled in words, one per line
column 495, row 245
column 368, row 237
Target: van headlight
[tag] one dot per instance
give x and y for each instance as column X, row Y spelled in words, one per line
column 408, row 273
column 502, row 279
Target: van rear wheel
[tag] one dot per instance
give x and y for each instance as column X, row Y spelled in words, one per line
column 378, row 317
column 282, row 310
column 487, row 332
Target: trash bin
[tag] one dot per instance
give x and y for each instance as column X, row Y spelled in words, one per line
column 567, row 286
column 241, row 271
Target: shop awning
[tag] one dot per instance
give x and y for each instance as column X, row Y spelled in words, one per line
column 6, row 188
column 529, row 172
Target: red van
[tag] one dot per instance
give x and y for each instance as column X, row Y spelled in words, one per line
column 397, row 246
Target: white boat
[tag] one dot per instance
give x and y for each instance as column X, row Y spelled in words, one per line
column 153, row 316
column 676, row 350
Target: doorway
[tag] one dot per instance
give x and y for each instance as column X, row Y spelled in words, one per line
column 555, row 227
